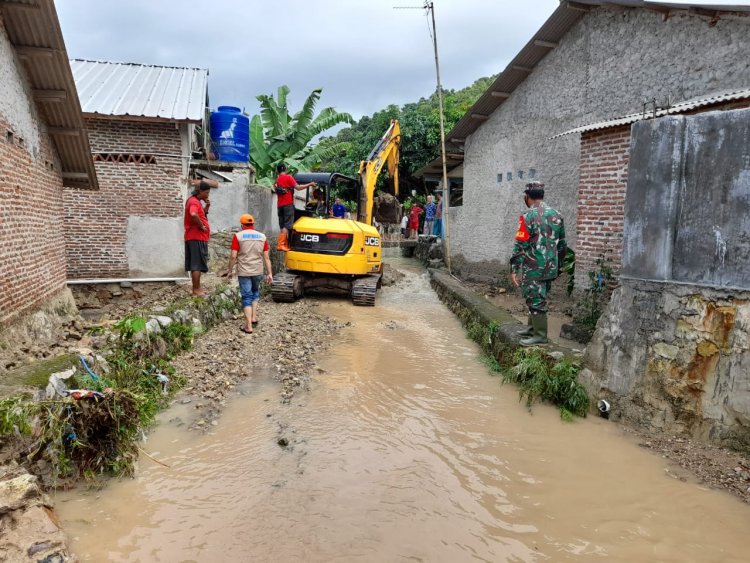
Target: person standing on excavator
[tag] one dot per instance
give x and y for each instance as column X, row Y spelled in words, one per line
column 537, row 259
column 285, row 185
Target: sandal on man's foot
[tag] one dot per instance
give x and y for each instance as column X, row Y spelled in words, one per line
column 243, row 329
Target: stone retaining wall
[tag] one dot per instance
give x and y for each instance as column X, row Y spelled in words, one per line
column 674, row 357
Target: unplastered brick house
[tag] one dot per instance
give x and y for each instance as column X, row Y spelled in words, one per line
column 590, row 62
column 44, row 149
column 141, row 122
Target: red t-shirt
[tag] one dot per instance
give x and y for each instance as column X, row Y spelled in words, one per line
column 192, row 231
column 286, row 181
column 414, row 214
column 236, row 243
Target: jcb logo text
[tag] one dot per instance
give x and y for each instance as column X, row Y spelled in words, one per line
column 309, row 238
column 372, row 241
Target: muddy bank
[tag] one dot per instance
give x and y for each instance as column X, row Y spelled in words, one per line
column 712, row 466
column 285, row 344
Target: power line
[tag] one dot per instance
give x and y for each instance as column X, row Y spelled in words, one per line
column 429, row 8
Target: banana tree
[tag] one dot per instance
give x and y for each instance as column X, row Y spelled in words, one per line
column 278, row 136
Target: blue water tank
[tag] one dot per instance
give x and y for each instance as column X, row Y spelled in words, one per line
column 230, row 133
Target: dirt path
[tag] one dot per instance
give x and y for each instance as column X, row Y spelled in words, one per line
column 284, row 346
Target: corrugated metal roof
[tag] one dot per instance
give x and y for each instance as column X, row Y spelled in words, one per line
column 34, row 31
column 546, row 39
column 141, row 91
column 649, row 113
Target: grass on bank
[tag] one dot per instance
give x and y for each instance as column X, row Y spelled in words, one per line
column 89, row 437
column 539, row 377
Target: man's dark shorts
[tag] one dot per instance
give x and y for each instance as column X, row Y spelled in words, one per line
column 286, row 217
column 196, row 256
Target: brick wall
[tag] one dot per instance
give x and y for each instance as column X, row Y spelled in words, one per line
column 601, row 199
column 96, row 222
column 32, row 264
column 601, row 195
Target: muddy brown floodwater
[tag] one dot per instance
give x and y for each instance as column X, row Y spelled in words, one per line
column 405, row 449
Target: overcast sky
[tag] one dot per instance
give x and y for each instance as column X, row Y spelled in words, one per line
column 364, row 54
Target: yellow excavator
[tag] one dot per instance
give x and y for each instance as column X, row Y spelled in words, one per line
column 339, row 253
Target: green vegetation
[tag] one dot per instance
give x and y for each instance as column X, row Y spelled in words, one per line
column 595, row 297
column 278, row 136
column 540, row 378
column 537, row 374
column 420, row 134
column 94, row 436
column 37, row 373
column 569, row 268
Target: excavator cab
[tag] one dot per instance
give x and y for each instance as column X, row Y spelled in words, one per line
column 320, row 199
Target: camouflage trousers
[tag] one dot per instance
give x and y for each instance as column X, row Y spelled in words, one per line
column 535, row 293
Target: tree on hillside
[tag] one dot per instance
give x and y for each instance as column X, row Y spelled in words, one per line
column 276, row 135
column 420, row 132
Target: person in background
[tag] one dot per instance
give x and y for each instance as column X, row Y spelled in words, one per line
column 414, row 214
column 197, row 232
column 339, row 210
column 405, row 225
column 285, row 185
column 537, row 259
column 251, row 253
column 437, row 230
column 317, row 203
column 429, row 216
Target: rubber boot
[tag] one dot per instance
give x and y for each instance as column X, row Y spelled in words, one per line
column 282, row 243
column 539, row 323
column 528, row 331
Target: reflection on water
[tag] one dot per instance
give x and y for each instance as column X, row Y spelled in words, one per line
column 405, row 449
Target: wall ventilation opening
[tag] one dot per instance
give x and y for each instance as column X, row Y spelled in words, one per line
column 125, row 158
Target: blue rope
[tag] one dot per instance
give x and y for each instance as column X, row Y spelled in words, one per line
column 88, row 369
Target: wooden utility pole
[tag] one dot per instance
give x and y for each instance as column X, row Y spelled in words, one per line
column 446, row 188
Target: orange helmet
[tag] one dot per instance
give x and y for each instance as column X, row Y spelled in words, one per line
column 247, row 219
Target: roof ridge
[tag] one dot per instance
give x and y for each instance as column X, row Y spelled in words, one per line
column 137, row 64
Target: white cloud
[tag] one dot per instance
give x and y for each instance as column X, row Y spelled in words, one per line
column 364, row 55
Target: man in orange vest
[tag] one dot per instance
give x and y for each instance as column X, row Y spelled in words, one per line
column 250, row 252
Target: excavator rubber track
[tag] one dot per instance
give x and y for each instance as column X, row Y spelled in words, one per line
column 364, row 290
column 286, row 288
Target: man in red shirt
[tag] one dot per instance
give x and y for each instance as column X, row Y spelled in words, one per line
column 197, row 234
column 285, row 186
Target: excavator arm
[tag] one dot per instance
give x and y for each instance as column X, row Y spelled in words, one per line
column 385, row 153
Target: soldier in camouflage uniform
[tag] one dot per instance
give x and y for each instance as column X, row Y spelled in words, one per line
column 537, row 258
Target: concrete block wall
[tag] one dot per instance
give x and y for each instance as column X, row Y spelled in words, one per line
column 131, row 226
column 239, row 196
column 604, row 67
column 32, row 261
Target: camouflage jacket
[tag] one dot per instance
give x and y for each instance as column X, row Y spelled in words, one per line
column 540, row 243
